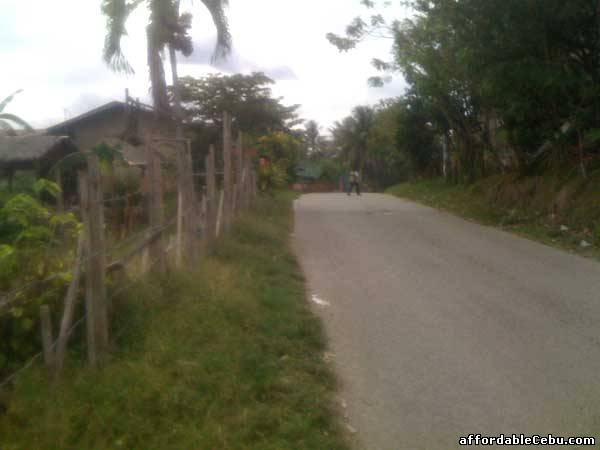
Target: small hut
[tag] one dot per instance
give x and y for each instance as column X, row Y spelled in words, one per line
column 34, row 152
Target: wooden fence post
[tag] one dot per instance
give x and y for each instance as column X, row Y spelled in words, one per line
column 239, row 167
column 219, row 221
column 211, row 194
column 46, row 327
column 155, row 206
column 96, row 307
column 247, row 180
column 69, row 308
column 193, row 212
column 227, row 177
column 186, row 213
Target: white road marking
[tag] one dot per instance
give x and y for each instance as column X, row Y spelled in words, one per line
column 319, row 301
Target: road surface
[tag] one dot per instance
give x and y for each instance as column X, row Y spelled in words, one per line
column 440, row 328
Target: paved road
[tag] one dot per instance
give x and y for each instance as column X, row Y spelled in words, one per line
column 440, row 327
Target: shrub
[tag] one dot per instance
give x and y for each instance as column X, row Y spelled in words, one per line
column 36, row 247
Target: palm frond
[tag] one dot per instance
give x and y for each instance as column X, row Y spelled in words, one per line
column 217, row 11
column 117, row 12
column 4, row 117
column 9, row 99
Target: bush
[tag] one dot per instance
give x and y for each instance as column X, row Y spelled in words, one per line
column 36, row 247
column 271, row 177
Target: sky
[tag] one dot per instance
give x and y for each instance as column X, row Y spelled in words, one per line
column 53, row 51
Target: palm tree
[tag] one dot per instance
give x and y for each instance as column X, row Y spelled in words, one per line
column 311, row 131
column 352, row 135
column 8, row 120
column 166, row 28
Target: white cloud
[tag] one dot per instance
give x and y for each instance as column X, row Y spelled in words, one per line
column 53, row 51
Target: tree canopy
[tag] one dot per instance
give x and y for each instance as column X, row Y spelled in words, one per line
column 247, row 97
column 507, row 84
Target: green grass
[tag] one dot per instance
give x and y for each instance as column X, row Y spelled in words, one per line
column 558, row 212
column 226, row 357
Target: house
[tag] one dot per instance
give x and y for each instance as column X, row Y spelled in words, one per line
column 126, row 125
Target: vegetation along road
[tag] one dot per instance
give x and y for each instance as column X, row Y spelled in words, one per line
column 440, row 327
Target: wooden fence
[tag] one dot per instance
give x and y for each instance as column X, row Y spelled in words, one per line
column 207, row 204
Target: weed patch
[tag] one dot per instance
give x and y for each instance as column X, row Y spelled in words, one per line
column 560, row 212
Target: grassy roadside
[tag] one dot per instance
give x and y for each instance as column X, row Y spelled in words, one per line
column 227, row 357
column 527, row 209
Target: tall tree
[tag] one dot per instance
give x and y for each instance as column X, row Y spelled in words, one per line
column 166, row 27
column 352, row 135
column 313, row 138
column 248, row 97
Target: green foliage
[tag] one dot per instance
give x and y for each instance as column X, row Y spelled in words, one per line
column 351, row 135
column 500, row 80
column 313, row 139
column 247, row 97
column 416, row 137
column 35, row 244
column 331, row 170
column 369, row 140
column 271, row 177
column 229, row 356
column 282, row 150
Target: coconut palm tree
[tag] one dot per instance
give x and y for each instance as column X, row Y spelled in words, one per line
column 7, row 120
column 352, row 135
column 166, row 28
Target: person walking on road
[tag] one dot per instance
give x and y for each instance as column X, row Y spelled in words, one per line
column 354, row 180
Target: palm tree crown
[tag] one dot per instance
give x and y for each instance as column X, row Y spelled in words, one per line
column 166, row 27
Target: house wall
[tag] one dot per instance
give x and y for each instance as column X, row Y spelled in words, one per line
column 89, row 133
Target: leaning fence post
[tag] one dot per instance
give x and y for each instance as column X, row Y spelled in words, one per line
column 247, row 181
column 69, row 308
column 96, row 307
column 227, row 177
column 46, row 328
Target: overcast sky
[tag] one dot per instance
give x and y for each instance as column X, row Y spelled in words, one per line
column 52, row 50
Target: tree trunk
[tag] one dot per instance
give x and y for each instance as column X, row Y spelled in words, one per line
column 157, row 75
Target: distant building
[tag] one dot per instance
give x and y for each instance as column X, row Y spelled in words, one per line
column 127, row 125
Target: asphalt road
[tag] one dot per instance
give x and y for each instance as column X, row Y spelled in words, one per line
column 440, row 328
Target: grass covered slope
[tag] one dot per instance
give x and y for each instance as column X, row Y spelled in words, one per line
column 227, row 357
column 556, row 211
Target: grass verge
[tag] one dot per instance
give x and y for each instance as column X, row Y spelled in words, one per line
column 556, row 213
column 226, row 357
